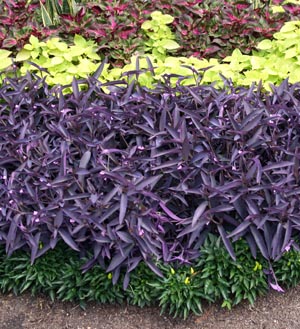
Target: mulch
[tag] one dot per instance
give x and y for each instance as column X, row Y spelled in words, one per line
column 273, row 311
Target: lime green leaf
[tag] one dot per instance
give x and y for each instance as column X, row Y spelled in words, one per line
column 62, row 46
column 23, row 55
column 288, row 41
column 52, row 43
column 146, row 80
column 292, row 52
column 156, row 14
column 76, row 50
column 188, row 82
column 164, row 19
column 167, row 19
column 79, row 41
column 295, row 76
column 277, row 9
column 256, row 75
column 146, row 25
column 71, row 68
column 34, row 41
column 279, row 36
column 159, row 51
column 42, row 60
column 28, row 47
column 68, row 57
column 172, row 61
column 184, row 71
column 113, row 74
column 92, row 55
column 257, row 62
column 56, row 52
column 289, row 26
column 265, row 44
column 34, row 54
column 295, row 2
column 56, row 44
column 4, row 53
column 5, row 62
column 168, row 44
column 56, row 60
column 211, row 76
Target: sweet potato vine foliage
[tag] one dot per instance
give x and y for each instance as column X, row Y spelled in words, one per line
column 144, row 175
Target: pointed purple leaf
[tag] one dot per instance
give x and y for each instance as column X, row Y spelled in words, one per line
column 226, row 241
column 68, row 239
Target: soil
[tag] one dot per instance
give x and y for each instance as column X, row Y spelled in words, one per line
column 273, row 311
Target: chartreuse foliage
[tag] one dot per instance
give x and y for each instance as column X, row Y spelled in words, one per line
column 210, row 28
column 161, row 38
column 274, row 60
column 5, row 60
column 62, row 61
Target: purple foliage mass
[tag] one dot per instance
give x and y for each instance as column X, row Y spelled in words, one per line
column 141, row 175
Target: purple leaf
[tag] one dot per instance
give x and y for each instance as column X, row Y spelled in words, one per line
column 85, row 159
column 259, row 241
column 169, row 212
column 241, row 228
column 154, row 268
column 278, row 165
column 226, row 241
column 68, row 239
column 118, row 259
column 287, row 237
column 123, row 207
column 152, row 181
column 199, row 212
column 75, row 89
column 124, row 236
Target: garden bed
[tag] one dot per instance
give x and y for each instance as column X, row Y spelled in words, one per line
column 174, row 184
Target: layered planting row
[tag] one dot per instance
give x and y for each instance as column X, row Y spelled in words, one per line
column 144, row 175
column 272, row 62
column 201, row 28
column 149, row 163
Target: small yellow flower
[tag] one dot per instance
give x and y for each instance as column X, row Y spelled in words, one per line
column 187, row 280
column 257, row 267
column 172, row 271
column 192, row 271
column 109, row 275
